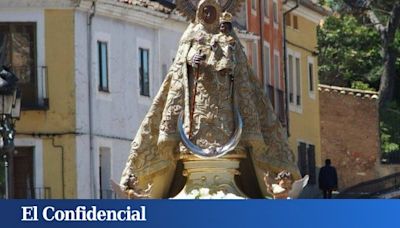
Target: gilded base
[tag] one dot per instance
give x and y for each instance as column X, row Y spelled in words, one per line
column 211, row 179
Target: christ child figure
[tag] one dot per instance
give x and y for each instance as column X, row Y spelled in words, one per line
column 223, row 45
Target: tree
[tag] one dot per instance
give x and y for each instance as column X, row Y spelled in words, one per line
column 384, row 16
column 359, row 47
column 349, row 53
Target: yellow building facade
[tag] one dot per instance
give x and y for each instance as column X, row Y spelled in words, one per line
column 302, row 85
column 46, row 130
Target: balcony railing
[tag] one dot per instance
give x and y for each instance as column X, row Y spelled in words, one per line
column 34, row 87
column 34, row 193
column 42, row 193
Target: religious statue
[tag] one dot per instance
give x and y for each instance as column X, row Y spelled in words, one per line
column 210, row 125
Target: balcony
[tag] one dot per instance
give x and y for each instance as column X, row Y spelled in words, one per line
column 35, row 92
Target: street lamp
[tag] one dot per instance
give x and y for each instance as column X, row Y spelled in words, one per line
column 10, row 108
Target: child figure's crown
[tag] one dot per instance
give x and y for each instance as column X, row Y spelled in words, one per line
column 226, row 17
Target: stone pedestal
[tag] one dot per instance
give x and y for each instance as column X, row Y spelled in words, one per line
column 211, row 178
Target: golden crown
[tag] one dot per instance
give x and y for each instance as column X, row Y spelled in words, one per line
column 226, row 17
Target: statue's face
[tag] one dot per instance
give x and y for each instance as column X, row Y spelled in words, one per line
column 209, row 14
column 225, row 27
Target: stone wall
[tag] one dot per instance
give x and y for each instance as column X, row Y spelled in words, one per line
column 350, row 134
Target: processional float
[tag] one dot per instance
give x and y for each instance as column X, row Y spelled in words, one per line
column 210, row 132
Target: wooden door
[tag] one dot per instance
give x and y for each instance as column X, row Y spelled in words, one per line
column 22, row 175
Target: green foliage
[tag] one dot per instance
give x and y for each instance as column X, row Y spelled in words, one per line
column 397, row 45
column 349, row 52
column 390, row 129
column 335, row 5
column 381, row 8
column 350, row 46
column 361, row 86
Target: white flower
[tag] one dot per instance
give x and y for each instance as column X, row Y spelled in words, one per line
column 232, row 196
column 204, row 193
column 194, row 192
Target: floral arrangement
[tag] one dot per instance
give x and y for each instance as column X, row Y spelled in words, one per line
column 204, row 193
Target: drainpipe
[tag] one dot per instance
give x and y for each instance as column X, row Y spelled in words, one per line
column 285, row 62
column 62, row 165
column 261, row 38
column 91, row 14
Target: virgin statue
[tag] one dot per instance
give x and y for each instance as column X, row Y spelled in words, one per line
column 210, row 125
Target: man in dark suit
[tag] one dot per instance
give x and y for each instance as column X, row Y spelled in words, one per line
column 327, row 179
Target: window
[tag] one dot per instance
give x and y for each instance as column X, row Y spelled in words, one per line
column 164, row 70
column 18, row 50
column 267, row 67
column 277, row 82
column 254, row 5
column 279, row 102
column 240, row 19
column 298, row 82
column 310, row 77
column 144, row 72
column 291, row 79
column 276, row 70
column 276, row 14
column 103, row 66
column 292, row 22
column 281, row 106
column 311, row 88
column 306, row 161
column 266, row 8
column 105, row 173
column 294, row 80
column 271, row 95
column 254, row 58
column 288, row 21
column 295, row 22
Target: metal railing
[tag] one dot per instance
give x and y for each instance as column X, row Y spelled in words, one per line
column 42, row 193
column 31, row 193
column 373, row 188
column 391, row 158
column 27, row 76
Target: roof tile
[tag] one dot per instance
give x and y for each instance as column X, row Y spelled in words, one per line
column 154, row 5
column 349, row 91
